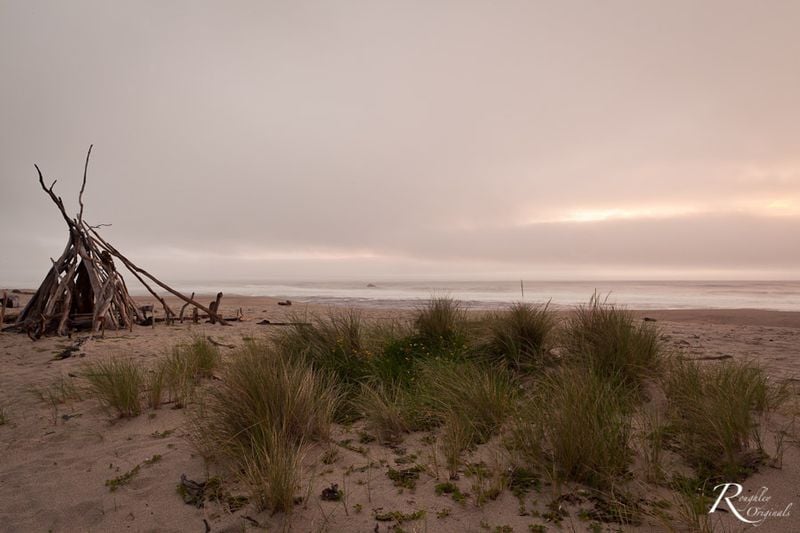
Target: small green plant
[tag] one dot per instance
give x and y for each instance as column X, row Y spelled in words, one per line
column 451, row 489
column 522, row 480
column 153, row 460
column 117, row 383
column 487, row 483
column 124, row 479
column 405, row 478
column 397, row 516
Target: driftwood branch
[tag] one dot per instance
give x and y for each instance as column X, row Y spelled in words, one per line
column 183, row 308
column 83, row 184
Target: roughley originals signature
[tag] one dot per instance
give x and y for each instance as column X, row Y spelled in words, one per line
column 751, row 509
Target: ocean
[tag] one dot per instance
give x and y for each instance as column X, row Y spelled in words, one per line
column 774, row 295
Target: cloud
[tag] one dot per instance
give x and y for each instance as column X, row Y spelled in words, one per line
column 401, row 138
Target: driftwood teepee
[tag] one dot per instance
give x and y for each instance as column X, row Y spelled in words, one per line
column 83, row 288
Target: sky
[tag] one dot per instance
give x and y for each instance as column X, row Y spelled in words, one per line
column 407, row 140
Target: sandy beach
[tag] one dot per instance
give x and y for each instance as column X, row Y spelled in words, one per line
column 56, row 459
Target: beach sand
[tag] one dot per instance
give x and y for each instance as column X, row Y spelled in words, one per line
column 54, row 462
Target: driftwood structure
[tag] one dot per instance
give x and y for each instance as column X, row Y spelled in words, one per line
column 83, row 288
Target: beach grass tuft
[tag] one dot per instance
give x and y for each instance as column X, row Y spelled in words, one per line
column 383, row 410
column 117, row 383
column 440, row 323
column 267, row 407
column 714, row 414
column 181, row 371
column 575, row 426
column 518, row 337
column 608, row 340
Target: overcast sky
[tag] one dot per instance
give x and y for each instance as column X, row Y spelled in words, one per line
column 470, row 140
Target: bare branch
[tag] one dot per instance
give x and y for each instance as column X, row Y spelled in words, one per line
column 52, row 195
column 83, row 185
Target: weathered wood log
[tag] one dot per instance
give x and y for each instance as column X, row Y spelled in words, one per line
column 214, row 309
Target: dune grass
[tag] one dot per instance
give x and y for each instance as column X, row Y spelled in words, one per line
column 181, row 371
column 117, row 383
column 714, row 414
column 335, row 344
column 440, row 323
column 266, row 409
column 575, row 426
column 272, row 471
column 518, row 337
column 613, row 344
column 155, row 385
column 383, row 408
column 471, row 401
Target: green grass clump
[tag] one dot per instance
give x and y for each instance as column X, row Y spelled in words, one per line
column 613, row 344
column 441, row 323
column 272, row 471
column 181, row 371
column 714, row 415
column 117, row 383
column 336, row 344
column 383, row 408
column 518, row 337
column 156, row 385
column 267, row 407
column 470, row 400
column 481, row 395
column 576, row 426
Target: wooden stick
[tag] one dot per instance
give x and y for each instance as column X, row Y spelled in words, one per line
column 83, row 185
column 3, row 309
column 183, row 308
